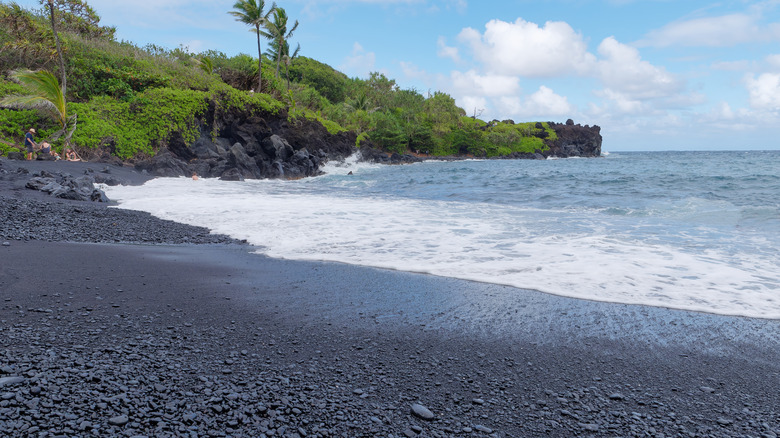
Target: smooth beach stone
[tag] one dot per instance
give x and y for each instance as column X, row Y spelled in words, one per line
column 119, row 420
column 590, row 427
column 11, row 380
column 422, row 412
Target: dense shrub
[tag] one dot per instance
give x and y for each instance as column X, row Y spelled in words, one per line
column 140, row 125
column 328, row 82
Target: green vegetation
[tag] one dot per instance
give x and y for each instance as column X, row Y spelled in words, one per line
column 131, row 99
column 45, row 94
column 250, row 12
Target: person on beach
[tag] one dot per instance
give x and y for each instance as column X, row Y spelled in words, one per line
column 47, row 153
column 29, row 143
column 70, row 155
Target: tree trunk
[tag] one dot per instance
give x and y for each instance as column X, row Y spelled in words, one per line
column 63, row 83
column 278, row 57
column 259, row 61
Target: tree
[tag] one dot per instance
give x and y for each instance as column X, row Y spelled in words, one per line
column 276, row 31
column 57, row 43
column 46, row 95
column 327, row 81
column 250, row 12
column 288, row 59
column 205, row 63
column 77, row 16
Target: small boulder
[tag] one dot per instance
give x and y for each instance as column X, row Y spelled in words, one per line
column 421, row 411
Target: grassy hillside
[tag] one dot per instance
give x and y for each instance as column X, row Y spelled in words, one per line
column 130, row 99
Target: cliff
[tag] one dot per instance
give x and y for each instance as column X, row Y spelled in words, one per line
column 575, row 140
column 237, row 145
column 251, row 146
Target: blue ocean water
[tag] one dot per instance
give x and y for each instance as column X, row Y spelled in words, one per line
column 687, row 230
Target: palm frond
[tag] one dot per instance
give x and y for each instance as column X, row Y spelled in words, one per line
column 45, row 93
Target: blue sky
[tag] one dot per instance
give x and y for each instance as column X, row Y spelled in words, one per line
column 654, row 74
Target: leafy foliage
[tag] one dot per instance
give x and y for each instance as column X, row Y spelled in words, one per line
column 43, row 93
column 8, row 87
column 132, row 99
column 252, row 13
column 142, row 124
column 277, row 32
column 328, row 82
column 15, row 123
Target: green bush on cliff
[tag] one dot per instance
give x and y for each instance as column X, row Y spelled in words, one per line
column 122, row 70
column 142, row 124
column 227, row 98
column 328, row 82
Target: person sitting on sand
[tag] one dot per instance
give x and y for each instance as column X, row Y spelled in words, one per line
column 29, row 143
column 70, row 155
column 47, row 153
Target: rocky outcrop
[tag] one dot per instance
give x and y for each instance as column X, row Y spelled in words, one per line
column 574, row 140
column 370, row 153
column 238, row 145
column 66, row 186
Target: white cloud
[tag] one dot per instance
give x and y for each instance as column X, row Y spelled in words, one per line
column 741, row 65
column 473, row 105
column 525, row 49
column 471, row 83
column 625, row 74
column 623, row 102
column 460, row 6
column 411, row 71
column 545, row 102
column 723, row 31
column 764, row 91
column 360, row 64
column 541, row 104
column 774, row 62
column 445, row 51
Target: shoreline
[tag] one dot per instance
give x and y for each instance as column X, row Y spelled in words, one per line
column 201, row 336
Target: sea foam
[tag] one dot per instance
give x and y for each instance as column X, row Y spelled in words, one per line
column 581, row 252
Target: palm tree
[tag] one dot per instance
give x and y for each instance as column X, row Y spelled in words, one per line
column 288, row 59
column 205, row 63
column 46, row 95
column 277, row 32
column 57, row 44
column 251, row 12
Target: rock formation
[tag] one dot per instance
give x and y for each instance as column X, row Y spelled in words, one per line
column 575, row 140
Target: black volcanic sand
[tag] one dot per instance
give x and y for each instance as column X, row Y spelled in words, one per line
column 199, row 337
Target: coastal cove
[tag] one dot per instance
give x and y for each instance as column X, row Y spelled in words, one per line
column 208, row 244
column 199, row 335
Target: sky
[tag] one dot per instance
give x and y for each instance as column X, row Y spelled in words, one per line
column 653, row 74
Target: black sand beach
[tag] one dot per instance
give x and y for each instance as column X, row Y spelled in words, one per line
column 160, row 329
